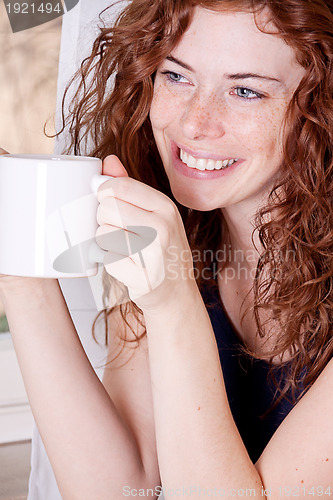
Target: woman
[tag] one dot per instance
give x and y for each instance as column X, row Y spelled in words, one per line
column 220, row 117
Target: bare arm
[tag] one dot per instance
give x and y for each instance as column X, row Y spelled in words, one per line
column 198, row 443
column 91, row 448
column 128, row 382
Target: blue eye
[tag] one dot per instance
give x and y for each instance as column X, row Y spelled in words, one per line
column 247, row 94
column 174, row 77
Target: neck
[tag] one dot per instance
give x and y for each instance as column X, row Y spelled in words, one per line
column 241, row 249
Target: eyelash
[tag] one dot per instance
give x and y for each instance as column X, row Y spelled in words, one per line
column 257, row 94
column 169, row 75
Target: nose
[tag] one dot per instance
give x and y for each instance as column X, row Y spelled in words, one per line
column 203, row 117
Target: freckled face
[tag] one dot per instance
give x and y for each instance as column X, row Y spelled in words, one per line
column 222, row 95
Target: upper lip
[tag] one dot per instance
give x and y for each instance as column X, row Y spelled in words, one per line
column 205, row 154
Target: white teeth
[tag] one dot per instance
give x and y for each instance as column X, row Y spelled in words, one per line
column 210, row 165
column 190, row 162
column 205, row 164
column 201, row 164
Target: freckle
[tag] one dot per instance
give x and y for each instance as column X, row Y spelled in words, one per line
column 198, row 407
column 214, row 379
column 296, row 469
column 302, row 481
column 326, row 460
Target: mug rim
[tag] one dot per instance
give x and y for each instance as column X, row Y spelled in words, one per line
column 49, row 157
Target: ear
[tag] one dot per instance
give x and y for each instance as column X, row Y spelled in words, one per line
column 113, row 166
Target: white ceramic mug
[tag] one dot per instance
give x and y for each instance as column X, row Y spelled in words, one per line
column 48, row 211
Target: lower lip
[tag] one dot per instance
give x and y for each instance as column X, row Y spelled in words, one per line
column 195, row 173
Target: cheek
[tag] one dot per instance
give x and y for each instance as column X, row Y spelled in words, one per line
column 265, row 131
column 162, row 109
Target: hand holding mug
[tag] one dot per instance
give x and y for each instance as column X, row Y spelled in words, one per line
column 143, row 235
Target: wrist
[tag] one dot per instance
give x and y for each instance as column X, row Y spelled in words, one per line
column 180, row 297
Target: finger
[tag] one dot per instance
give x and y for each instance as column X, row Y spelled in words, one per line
column 141, row 272
column 125, row 242
column 113, row 239
column 121, row 262
column 129, row 271
column 109, row 212
column 120, row 214
column 136, row 193
column 113, row 166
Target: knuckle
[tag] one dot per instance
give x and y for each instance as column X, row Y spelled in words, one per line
column 169, row 212
column 117, row 187
column 100, row 216
column 166, row 221
column 105, row 190
column 164, row 230
column 103, row 237
column 101, row 230
column 105, row 209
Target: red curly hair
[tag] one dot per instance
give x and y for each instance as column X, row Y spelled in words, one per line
column 293, row 280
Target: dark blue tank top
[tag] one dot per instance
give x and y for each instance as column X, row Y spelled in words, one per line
column 250, row 392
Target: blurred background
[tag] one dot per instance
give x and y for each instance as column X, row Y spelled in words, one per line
column 28, row 85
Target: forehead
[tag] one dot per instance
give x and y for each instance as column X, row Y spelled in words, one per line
column 231, row 42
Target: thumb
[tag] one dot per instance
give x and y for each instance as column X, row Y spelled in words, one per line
column 113, row 166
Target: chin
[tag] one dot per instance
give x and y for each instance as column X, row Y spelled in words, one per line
column 189, row 200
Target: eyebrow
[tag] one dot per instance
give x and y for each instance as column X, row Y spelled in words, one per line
column 244, row 76
column 234, row 76
column 180, row 63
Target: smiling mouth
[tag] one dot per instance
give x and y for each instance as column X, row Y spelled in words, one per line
column 205, row 163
